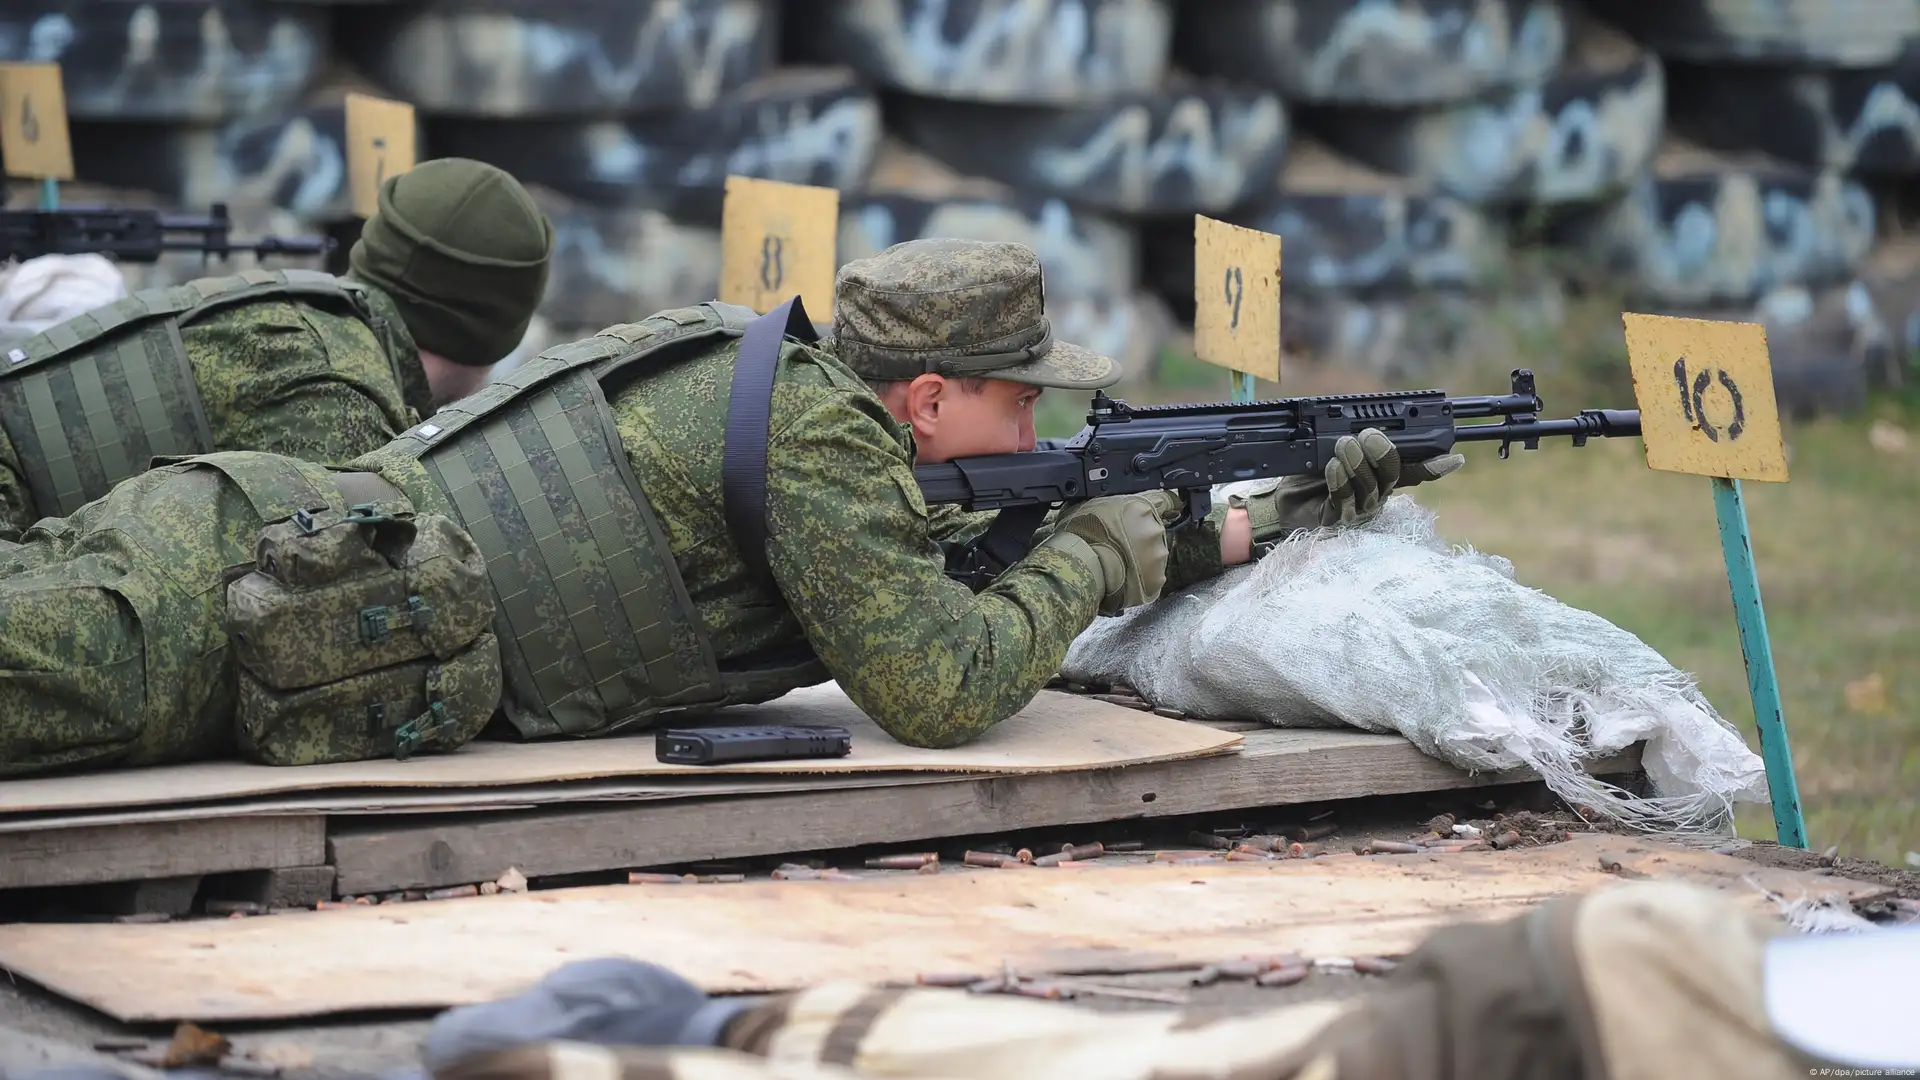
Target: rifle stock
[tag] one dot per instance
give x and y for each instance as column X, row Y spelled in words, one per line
column 1191, row 448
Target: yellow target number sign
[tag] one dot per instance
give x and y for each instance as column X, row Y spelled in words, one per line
column 1705, row 389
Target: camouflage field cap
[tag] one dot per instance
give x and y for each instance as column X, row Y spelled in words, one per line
column 959, row 308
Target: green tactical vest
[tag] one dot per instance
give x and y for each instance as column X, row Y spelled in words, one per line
column 595, row 626
column 91, row 401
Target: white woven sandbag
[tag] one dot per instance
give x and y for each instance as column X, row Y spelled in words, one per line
column 1383, row 627
column 40, row 292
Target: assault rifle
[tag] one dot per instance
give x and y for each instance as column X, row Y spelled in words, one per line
column 135, row 235
column 1191, row 448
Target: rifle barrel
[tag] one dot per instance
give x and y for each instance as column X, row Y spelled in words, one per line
column 1592, row 423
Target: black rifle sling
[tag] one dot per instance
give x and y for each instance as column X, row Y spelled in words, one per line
column 743, row 468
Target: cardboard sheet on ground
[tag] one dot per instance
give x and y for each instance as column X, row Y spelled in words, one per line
column 1055, row 733
column 763, row 936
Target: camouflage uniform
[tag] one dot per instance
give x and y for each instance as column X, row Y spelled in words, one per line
column 1634, row 982
column 863, row 595
column 317, row 379
column 114, row 621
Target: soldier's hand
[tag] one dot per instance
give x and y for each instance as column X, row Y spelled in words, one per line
column 1128, row 535
column 1366, row 469
column 1356, row 482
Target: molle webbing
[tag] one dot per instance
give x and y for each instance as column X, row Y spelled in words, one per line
column 595, row 626
column 91, row 401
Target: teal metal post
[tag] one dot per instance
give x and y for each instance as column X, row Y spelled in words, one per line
column 49, row 193
column 1242, row 387
column 1758, row 653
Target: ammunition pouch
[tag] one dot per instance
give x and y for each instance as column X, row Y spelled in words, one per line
column 361, row 631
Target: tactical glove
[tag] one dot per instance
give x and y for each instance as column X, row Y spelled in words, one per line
column 1128, row 538
column 1363, row 471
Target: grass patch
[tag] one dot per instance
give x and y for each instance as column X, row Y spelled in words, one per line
column 1838, row 550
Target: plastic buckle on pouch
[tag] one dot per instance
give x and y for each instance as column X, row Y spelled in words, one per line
column 303, row 520
column 367, row 514
column 375, row 624
column 426, row 727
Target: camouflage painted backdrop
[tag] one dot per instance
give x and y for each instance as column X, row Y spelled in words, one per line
column 1735, row 158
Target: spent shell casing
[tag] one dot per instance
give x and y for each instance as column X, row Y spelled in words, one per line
column 1374, row 965
column 993, row 984
column 1043, row 991
column 987, row 858
column 1025, row 855
column 636, row 877
column 902, row 862
column 952, row 979
column 1054, row 859
column 1286, row 975
column 1388, row 847
column 831, row 874
column 1318, row 830
column 1122, row 845
column 796, row 873
column 1506, row 840
column 455, row 892
column 1239, row 969
column 1237, row 855
column 930, row 868
column 1209, row 840
column 1083, row 852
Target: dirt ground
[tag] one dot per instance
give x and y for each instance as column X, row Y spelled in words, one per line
column 37, row 1028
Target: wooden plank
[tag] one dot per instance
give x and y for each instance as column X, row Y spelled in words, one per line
column 1273, row 768
column 99, row 853
column 769, row 935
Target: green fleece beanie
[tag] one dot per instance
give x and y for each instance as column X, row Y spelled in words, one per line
column 463, row 251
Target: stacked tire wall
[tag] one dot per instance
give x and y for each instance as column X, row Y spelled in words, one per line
column 1732, row 158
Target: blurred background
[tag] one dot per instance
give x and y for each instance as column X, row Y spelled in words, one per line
column 1463, row 186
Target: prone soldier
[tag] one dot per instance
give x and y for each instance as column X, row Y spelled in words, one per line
column 444, row 282
column 610, row 533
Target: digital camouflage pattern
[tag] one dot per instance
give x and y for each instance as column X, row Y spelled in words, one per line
column 1640, row 980
column 958, row 308
column 112, row 631
column 287, row 377
column 362, row 634
column 861, row 576
column 596, row 629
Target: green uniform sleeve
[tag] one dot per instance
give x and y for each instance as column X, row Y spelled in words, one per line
column 931, row 662
column 289, row 378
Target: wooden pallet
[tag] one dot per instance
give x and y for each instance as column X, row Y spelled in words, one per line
column 285, row 857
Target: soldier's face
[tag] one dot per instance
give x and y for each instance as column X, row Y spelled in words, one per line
column 954, row 418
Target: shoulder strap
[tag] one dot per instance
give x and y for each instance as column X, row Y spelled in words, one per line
column 743, row 469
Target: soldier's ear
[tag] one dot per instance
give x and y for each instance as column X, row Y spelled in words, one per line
column 925, row 395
